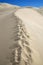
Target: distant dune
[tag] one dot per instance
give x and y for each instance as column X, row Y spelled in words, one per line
column 32, row 18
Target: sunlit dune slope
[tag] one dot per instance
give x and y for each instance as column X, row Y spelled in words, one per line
column 34, row 23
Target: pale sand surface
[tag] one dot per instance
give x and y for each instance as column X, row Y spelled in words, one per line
column 34, row 24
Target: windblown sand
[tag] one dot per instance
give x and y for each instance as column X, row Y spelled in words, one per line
column 33, row 21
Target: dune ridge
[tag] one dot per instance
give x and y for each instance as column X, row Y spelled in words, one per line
column 33, row 22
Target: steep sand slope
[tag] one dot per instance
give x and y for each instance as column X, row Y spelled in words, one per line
column 7, row 20
column 34, row 23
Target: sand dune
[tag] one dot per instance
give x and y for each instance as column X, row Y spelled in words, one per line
column 33, row 21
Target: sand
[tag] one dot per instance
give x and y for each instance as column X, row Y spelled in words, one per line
column 33, row 21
